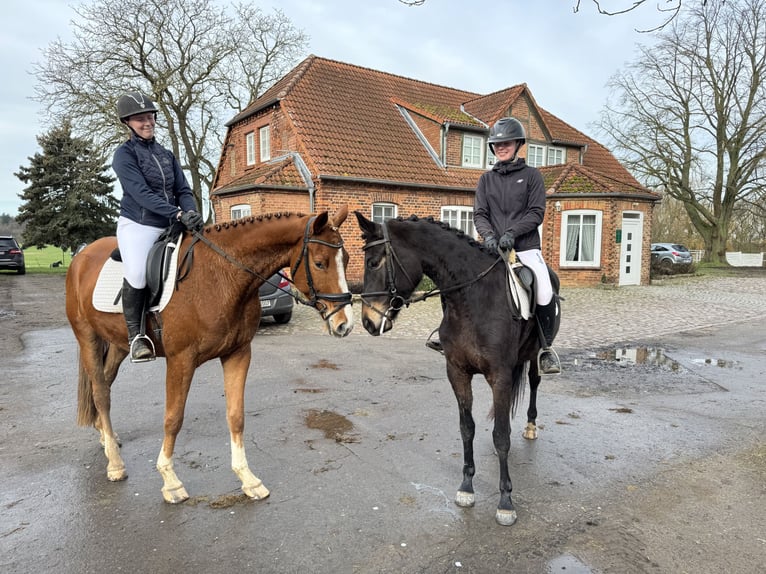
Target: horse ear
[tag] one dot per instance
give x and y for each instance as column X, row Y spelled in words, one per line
column 320, row 221
column 340, row 216
column 368, row 227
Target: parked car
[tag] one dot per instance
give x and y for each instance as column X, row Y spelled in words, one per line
column 276, row 299
column 11, row 255
column 669, row 254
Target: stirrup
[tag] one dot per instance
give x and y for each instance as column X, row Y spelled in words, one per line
column 434, row 344
column 150, row 347
column 555, row 366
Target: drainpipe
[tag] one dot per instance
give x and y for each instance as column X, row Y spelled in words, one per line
column 307, row 179
column 444, row 144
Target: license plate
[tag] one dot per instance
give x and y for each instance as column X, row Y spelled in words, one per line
column 266, row 303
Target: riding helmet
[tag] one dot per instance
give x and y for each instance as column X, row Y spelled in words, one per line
column 134, row 103
column 506, row 129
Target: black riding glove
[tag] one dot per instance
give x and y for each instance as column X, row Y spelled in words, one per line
column 192, row 220
column 507, row 241
column 490, row 243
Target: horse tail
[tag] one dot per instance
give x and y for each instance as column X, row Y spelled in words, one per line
column 518, row 384
column 86, row 407
column 519, row 378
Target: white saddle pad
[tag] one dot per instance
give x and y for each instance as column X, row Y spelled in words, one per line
column 109, row 286
column 520, row 295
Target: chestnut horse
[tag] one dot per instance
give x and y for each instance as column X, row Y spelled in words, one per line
column 478, row 331
column 214, row 313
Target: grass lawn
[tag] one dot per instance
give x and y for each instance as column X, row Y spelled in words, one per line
column 40, row 260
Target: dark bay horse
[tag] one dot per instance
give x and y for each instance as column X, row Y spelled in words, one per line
column 478, row 332
column 214, row 313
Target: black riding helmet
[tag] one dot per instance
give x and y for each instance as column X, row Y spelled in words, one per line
column 506, row 129
column 134, row 103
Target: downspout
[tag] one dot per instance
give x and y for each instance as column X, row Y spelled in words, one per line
column 307, row 179
column 444, row 144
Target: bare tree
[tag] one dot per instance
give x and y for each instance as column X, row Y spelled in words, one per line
column 200, row 61
column 669, row 8
column 689, row 116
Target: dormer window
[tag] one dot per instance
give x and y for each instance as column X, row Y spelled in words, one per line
column 540, row 155
column 473, row 151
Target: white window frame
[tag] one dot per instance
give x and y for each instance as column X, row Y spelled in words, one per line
column 560, row 151
column 597, row 226
column 250, row 146
column 264, row 136
column 240, row 210
column 473, row 151
column 459, row 217
column 491, row 158
column 535, row 155
column 381, row 212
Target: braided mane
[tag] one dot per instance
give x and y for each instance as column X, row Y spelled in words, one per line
column 459, row 233
column 250, row 219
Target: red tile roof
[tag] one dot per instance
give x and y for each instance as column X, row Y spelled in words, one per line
column 349, row 123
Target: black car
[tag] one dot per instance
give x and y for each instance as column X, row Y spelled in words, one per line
column 11, row 255
column 276, row 299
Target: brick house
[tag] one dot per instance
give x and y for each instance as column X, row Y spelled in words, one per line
column 330, row 133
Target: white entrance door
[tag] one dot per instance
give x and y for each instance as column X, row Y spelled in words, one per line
column 630, row 248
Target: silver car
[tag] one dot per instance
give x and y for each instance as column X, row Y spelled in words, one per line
column 276, row 299
column 667, row 255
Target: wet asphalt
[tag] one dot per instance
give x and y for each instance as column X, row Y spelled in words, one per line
column 358, row 441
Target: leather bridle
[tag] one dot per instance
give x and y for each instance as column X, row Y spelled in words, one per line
column 396, row 301
column 315, row 297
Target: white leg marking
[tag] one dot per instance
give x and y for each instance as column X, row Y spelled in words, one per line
column 252, row 486
column 173, row 490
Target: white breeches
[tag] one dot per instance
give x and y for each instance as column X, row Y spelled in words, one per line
column 135, row 241
column 533, row 258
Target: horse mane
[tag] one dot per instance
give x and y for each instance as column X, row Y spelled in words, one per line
column 458, row 233
column 226, row 225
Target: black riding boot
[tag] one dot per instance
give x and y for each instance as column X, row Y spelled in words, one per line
column 547, row 359
column 434, row 342
column 133, row 308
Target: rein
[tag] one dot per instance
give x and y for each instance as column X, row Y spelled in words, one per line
column 314, row 301
column 396, row 301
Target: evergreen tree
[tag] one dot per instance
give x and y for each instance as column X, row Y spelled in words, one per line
column 68, row 200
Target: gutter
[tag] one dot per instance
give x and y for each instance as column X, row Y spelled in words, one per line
column 388, row 182
column 615, row 195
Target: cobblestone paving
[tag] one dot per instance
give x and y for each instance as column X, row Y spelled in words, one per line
column 597, row 316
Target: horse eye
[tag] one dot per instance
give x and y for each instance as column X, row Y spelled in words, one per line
column 319, row 265
column 373, row 264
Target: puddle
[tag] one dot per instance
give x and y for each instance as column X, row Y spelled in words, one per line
column 650, row 356
column 568, row 564
column 723, row 363
column 334, row 426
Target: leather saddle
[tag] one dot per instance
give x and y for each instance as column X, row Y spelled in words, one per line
column 158, row 262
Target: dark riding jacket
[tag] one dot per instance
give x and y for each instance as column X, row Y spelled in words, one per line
column 511, row 197
column 154, row 187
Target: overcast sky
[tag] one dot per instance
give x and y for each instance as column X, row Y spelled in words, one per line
column 480, row 46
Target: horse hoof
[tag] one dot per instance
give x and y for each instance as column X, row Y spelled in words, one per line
column 116, row 475
column 174, row 495
column 530, row 432
column 465, row 499
column 505, row 517
column 256, row 492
